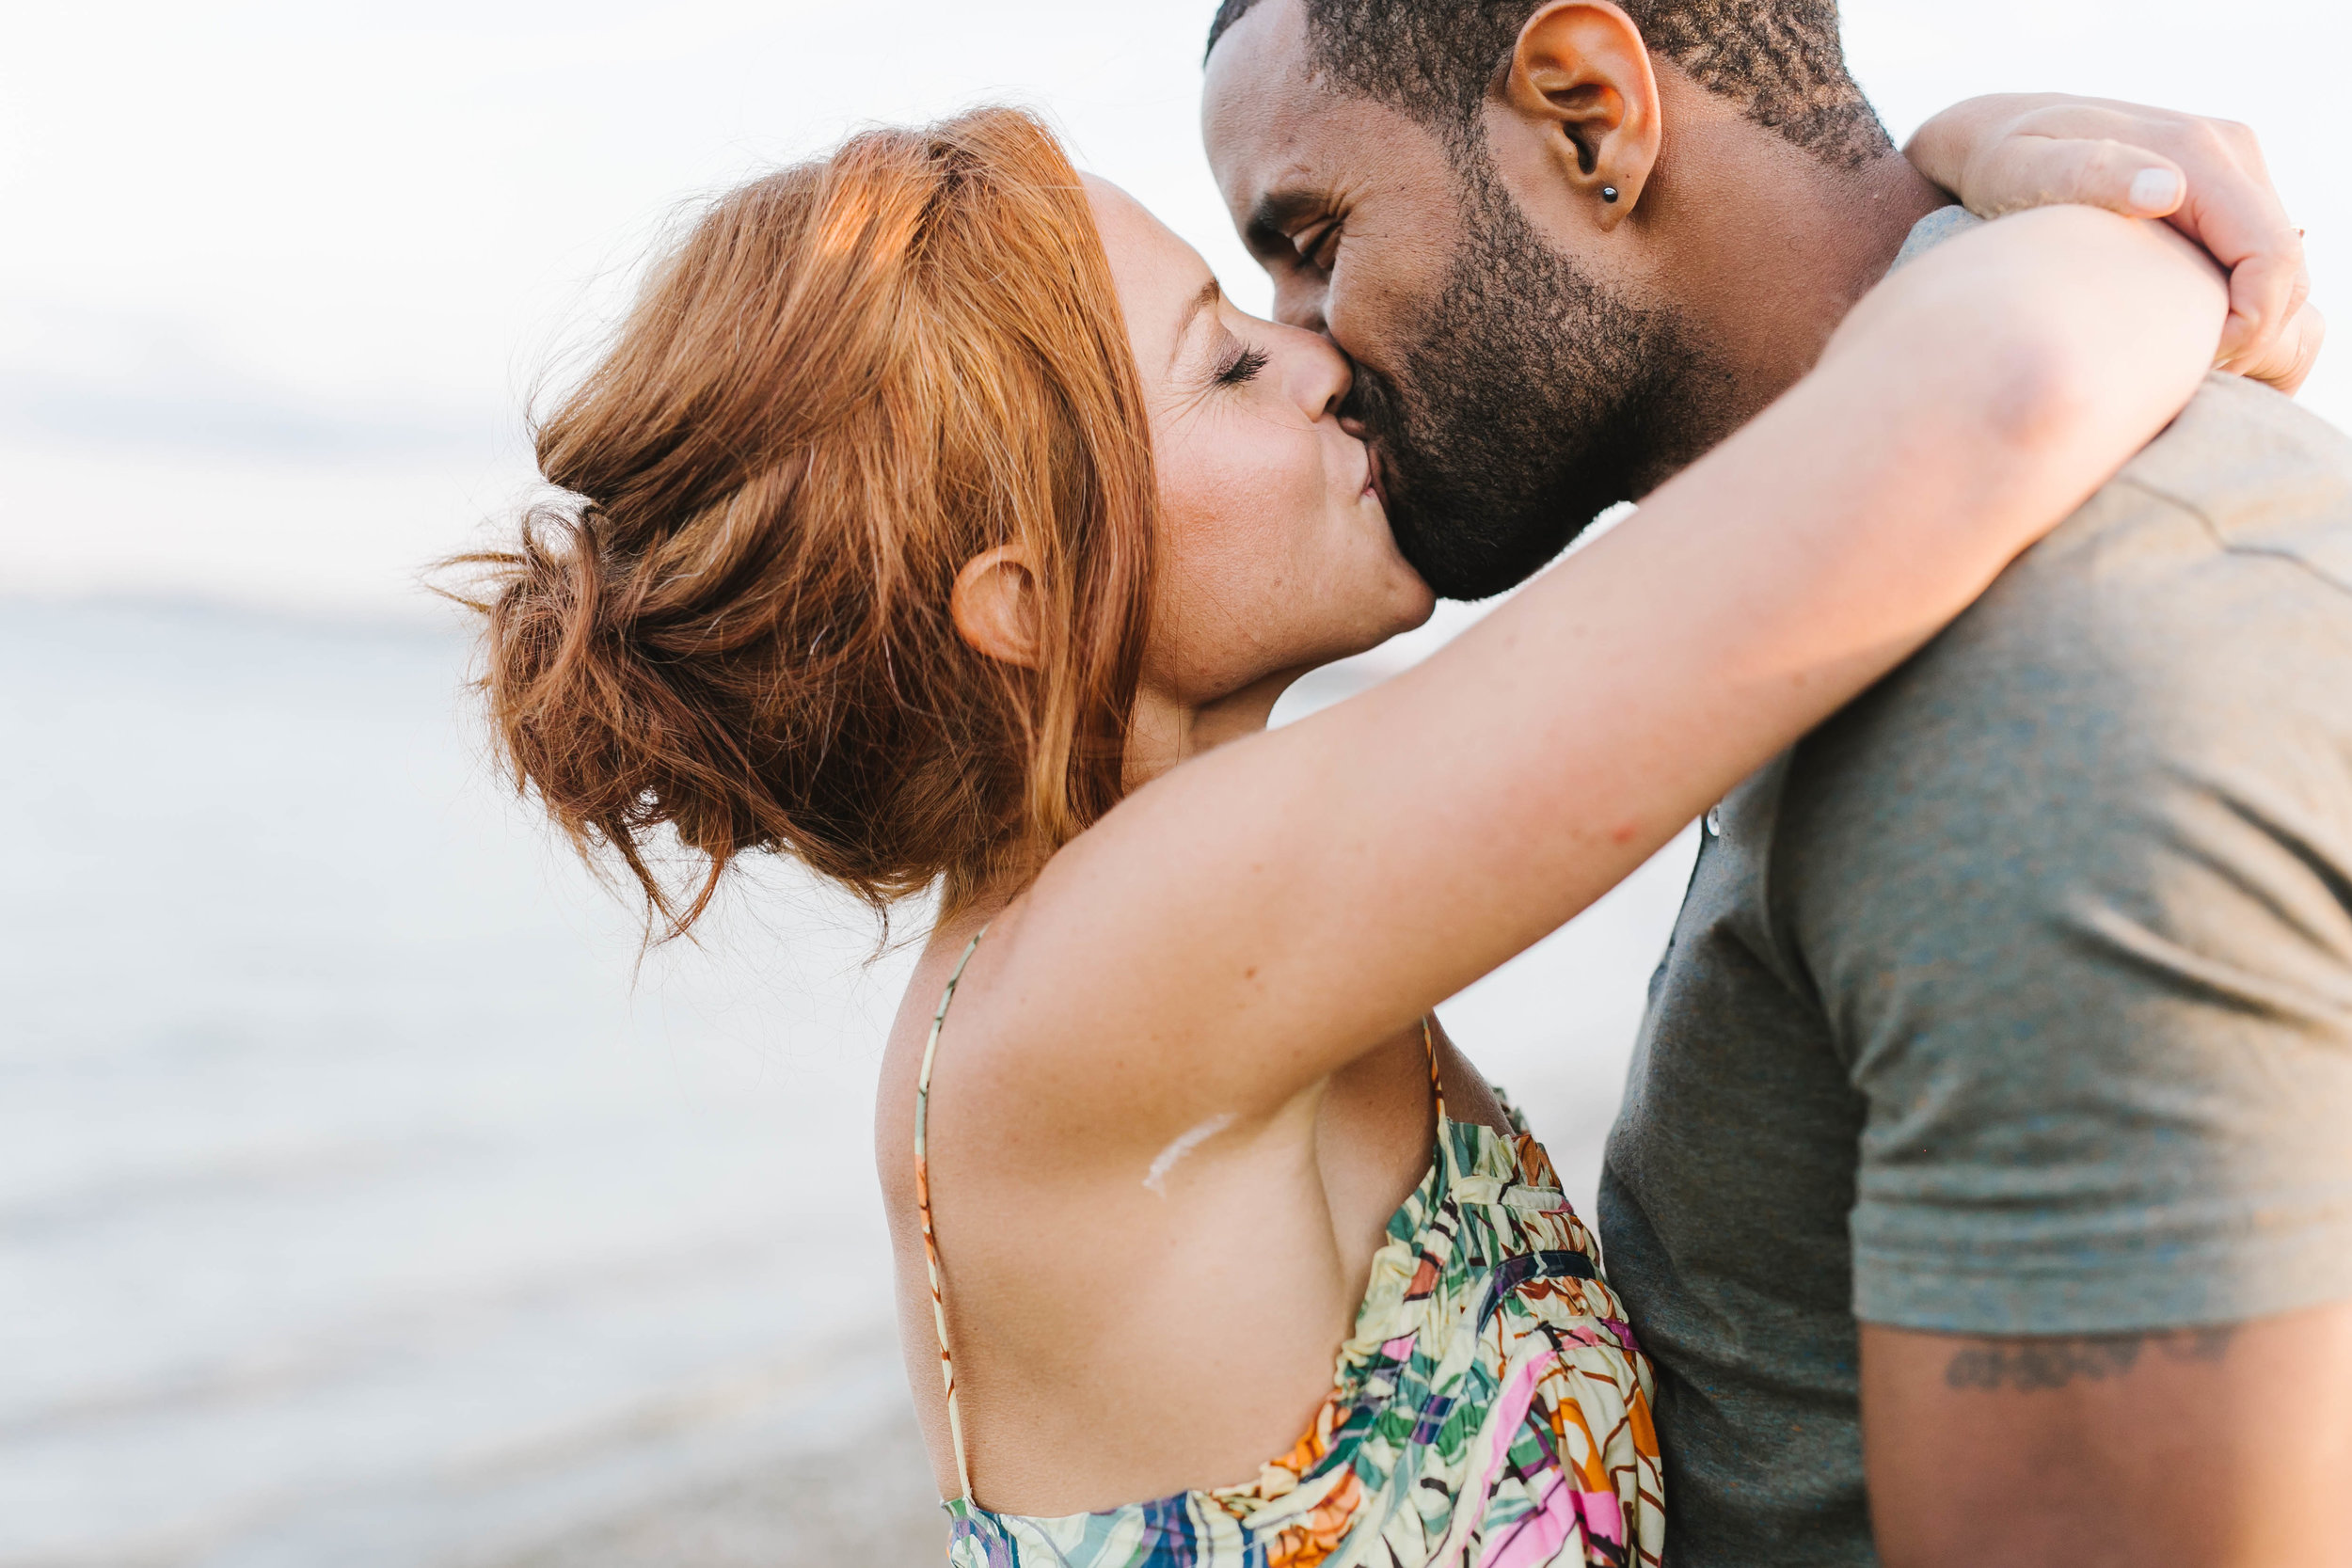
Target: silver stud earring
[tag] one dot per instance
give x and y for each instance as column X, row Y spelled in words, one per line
column 1608, row 194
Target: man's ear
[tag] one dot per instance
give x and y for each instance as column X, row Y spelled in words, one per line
column 996, row 606
column 1582, row 70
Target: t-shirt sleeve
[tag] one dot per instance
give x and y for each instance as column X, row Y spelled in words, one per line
column 2074, row 891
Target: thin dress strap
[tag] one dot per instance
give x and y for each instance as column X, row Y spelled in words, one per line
column 923, row 1205
column 1437, row 1079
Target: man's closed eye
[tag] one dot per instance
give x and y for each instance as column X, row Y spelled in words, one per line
column 1319, row 247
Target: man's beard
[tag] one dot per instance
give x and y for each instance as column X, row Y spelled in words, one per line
column 1534, row 400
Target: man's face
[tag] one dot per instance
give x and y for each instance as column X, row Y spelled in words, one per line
column 1510, row 391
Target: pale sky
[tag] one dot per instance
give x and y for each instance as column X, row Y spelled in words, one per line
column 278, row 275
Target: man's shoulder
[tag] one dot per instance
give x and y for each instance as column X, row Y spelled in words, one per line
column 2212, row 574
column 2191, row 621
column 2264, row 475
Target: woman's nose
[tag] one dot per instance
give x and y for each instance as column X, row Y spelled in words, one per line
column 1328, row 378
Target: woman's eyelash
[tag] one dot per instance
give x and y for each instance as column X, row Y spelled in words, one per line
column 1242, row 368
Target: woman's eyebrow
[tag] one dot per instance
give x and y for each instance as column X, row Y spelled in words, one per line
column 1210, row 292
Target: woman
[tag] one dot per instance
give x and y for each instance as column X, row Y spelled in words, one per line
column 940, row 525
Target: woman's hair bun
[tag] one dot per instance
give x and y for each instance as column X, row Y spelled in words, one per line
column 734, row 624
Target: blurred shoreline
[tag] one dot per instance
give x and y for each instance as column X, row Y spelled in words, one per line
column 866, row 1501
column 362, row 1202
column 359, row 1202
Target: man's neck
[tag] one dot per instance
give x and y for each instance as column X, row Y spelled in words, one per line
column 1772, row 244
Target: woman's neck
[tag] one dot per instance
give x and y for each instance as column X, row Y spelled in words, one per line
column 1168, row 729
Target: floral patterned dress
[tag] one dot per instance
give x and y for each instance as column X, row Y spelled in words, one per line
column 1491, row 1409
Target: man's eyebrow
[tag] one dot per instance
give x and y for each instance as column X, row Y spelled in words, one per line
column 1210, row 294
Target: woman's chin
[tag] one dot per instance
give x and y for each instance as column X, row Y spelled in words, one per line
column 1409, row 609
column 1405, row 606
column 1415, row 603
column 1424, row 603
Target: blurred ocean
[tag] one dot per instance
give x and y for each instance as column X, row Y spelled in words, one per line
column 363, row 1204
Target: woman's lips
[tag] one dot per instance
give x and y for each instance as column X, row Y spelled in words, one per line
column 1374, row 486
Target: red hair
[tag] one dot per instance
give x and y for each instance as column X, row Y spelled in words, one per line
column 853, row 377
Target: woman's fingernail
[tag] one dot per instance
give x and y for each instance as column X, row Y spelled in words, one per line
column 2156, row 190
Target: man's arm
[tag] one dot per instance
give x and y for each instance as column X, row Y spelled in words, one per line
column 2212, row 1447
column 2074, row 889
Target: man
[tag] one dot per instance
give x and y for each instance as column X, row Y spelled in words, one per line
column 1990, row 1137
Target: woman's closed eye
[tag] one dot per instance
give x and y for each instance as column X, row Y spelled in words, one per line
column 1242, row 366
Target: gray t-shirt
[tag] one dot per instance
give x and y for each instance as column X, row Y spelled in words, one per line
column 2018, row 998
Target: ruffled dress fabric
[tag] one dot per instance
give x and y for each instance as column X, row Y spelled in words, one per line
column 1492, row 1411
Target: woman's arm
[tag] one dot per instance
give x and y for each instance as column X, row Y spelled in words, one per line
column 2008, row 152
column 1259, row 916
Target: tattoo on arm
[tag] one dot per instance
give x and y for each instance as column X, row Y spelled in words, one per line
column 2030, row 1365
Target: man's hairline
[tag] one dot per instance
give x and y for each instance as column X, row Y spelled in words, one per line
column 1218, row 35
column 1461, row 138
column 1447, row 126
column 1464, row 143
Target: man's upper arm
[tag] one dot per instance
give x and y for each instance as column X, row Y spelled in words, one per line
column 2209, row 1447
column 2075, row 891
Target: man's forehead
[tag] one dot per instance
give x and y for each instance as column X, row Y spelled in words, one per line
column 1259, row 96
column 1269, row 120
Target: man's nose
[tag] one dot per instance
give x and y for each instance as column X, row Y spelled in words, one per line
column 1299, row 304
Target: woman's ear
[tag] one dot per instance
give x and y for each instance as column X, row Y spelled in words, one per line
column 996, row 606
column 1582, row 72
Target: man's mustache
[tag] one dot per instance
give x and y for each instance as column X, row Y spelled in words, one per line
column 1374, row 406
column 1372, row 403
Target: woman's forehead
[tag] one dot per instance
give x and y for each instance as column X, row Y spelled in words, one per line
column 1157, row 273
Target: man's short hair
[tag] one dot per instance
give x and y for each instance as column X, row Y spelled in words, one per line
column 1436, row 59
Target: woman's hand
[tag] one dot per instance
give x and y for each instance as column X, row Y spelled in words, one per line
column 2206, row 177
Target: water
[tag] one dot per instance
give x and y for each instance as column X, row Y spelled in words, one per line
column 356, row 1207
